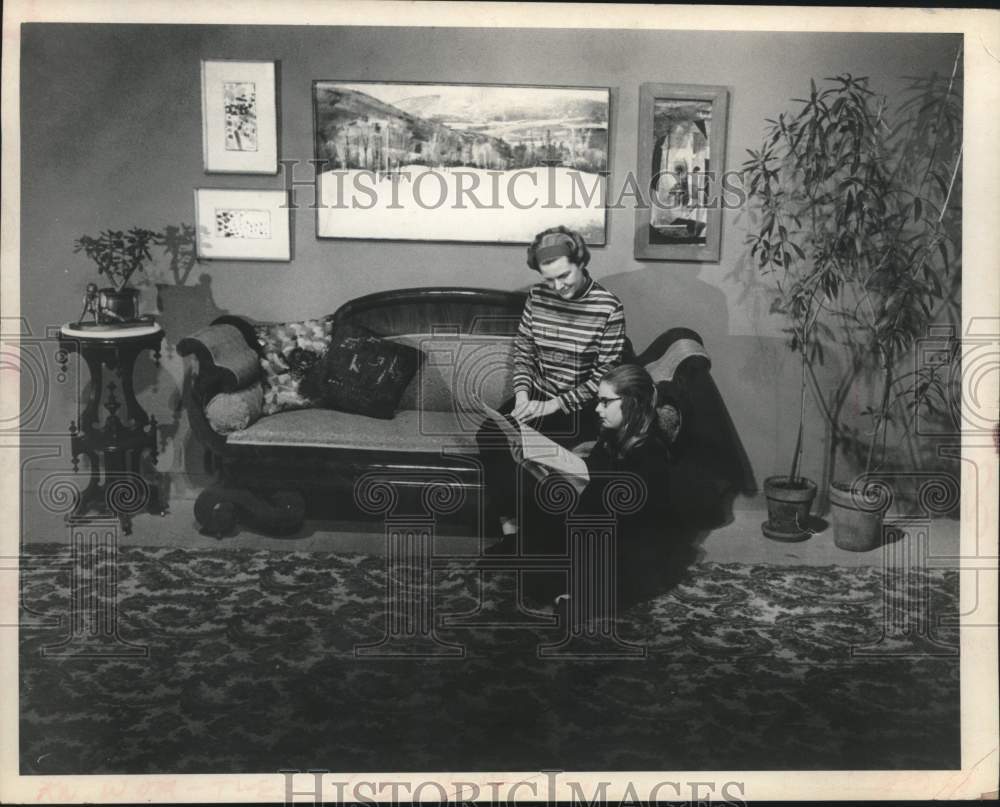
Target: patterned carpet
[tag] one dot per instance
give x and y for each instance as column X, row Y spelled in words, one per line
column 251, row 668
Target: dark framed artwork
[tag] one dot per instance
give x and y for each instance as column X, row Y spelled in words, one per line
column 681, row 160
column 459, row 162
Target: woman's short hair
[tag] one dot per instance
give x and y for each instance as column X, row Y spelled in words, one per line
column 554, row 242
column 638, row 393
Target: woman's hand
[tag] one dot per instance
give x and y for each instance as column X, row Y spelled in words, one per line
column 521, row 403
column 517, row 452
column 533, row 410
column 549, row 407
column 536, row 470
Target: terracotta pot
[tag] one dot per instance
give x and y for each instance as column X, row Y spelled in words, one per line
column 857, row 520
column 117, row 305
column 788, row 506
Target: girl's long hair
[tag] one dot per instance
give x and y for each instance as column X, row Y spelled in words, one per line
column 638, row 394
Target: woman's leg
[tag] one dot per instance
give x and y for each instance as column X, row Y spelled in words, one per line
column 499, row 474
column 507, row 491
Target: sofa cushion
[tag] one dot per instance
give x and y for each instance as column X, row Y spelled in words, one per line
column 410, row 430
column 231, row 411
column 288, row 351
column 362, row 373
column 456, row 368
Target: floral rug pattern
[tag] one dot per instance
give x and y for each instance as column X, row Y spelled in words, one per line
column 250, row 666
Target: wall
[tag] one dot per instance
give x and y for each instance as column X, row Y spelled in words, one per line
column 111, row 136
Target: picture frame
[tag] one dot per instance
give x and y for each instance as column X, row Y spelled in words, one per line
column 680, row 166
column 239, row 113
column 394, row 157
column 242, row 225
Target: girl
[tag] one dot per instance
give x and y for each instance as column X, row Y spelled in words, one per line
column 630, row 446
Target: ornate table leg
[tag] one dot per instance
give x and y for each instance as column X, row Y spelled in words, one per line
column 115, row 449
column 125, row 369
column 80, row 436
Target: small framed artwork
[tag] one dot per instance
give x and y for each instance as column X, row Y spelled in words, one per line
column 459, row 162
column 239, row 114
column 682, row 151
column 242, row 225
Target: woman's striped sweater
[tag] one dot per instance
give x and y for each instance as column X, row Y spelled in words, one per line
column 564, row 347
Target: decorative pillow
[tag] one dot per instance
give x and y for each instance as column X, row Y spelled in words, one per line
column 363, row 373
column 230, row 412
column 669, row 418
column 289, row 351
column 671, row 404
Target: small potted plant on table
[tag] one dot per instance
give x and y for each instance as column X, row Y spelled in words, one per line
column 118, row 255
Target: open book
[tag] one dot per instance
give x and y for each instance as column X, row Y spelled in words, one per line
column 529, row 445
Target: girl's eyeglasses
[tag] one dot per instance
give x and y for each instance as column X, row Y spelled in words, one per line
column 605, row 401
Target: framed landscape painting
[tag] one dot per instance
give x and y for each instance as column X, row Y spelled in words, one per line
column 242, row 225
column 682, row 150
column 457, row 162
column 239, row 113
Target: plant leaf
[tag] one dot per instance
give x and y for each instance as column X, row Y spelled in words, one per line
column 943, row 249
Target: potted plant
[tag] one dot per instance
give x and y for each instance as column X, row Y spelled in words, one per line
column 118, row 255
column 790, row 497
column 860, row 214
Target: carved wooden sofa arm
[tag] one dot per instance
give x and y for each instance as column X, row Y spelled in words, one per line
column 227, row 355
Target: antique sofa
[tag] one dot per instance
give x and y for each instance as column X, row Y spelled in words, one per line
column 310, row 456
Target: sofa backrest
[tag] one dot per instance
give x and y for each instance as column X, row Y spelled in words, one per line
column 437, row 310
column 464, row 333
column 457, row 369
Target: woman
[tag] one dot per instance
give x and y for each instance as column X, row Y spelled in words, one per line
column 572, row 331
column 630, row 447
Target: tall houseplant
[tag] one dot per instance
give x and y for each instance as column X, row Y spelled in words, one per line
column 789, row 497
column 859, row 215
column 118, row 256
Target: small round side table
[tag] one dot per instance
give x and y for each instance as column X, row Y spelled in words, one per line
column 116, row 447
